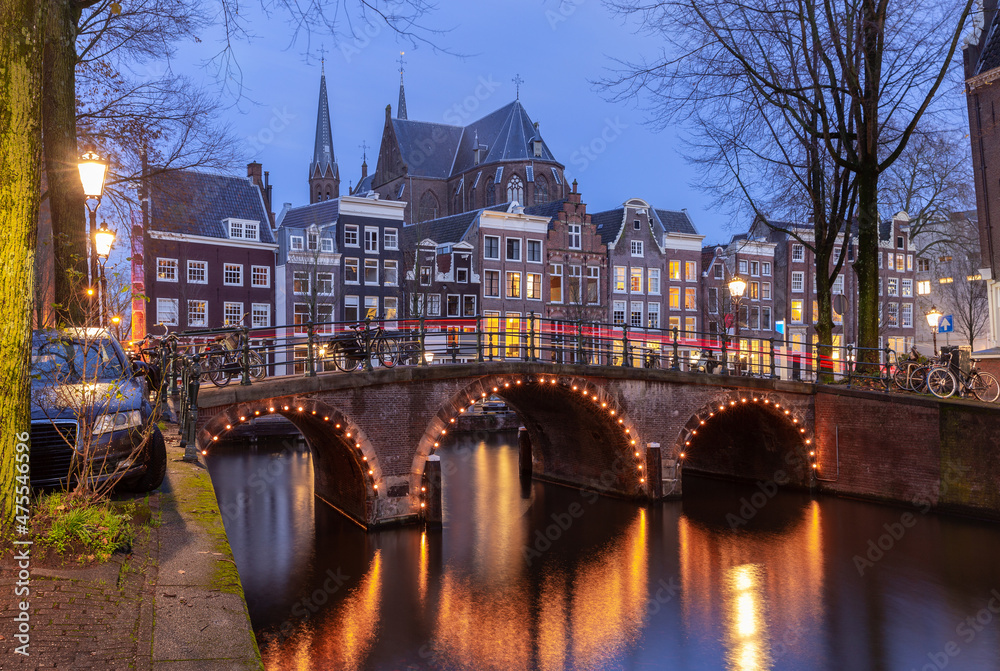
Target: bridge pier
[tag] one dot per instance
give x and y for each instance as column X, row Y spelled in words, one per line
column 524, row 454
column 432, row 506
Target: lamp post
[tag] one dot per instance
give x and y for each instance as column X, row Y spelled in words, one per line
column 737, row 286
column 104, row 238
column 933, row 319
column 93, row 171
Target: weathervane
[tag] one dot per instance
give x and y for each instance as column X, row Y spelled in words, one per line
column 401, row 61
column 322, row 57
column 364, row 151
column 517, row 86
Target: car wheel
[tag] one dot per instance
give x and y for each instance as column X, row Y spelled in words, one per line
column 156, row 466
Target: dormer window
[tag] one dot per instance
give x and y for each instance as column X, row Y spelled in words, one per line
column 537, row 147
column 313, row 240
column 240, row 229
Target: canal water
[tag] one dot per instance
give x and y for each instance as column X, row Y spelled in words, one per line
column 540, row 576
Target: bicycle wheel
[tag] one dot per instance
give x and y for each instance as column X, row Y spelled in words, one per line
column 409, row 352
column 917, row 379
column 941, row 382
column 985, row 387
column 258, row 369
column 218, row 371
column 386, row 351
column 342, row 359
column 902, row 376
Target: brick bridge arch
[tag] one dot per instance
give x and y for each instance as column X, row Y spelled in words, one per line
column 617, row 430
column 775, row 435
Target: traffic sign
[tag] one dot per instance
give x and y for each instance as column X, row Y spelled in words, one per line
column 946, row 324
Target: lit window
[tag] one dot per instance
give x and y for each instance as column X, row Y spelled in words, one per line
column 198, row 272
column 923, row 287
column 260, row 276
column 197, row 313
column 690, row 271
column 635, row 282
column 690, row 298
column 232, row 313
column 893, row 314
column 555, row 283
column 232, row 275
column 946, row 280
column 906, row 287
column 371, row 307
column 892, row 287
column 620, row 279
column 675, row 298
column 797, row 312
column 675, row 270
column 534, row 286
column 513, row 285
column 166, row 270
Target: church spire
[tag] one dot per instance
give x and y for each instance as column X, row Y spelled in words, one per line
column 401, row 107
column 324, row 174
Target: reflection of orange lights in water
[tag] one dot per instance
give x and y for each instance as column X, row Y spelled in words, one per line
column 340, row 641
column 724, row 579
column 587, row 618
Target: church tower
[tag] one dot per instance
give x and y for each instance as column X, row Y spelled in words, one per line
column 324, row 175
column 401, row 106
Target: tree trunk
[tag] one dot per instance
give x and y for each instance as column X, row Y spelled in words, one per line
column 824, row 321
column 20, row 144
column 65, row 193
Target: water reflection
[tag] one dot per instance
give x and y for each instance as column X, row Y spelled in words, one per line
column 558, row 579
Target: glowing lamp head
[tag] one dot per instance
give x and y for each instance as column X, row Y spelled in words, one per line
column 933, row 317
column 93, row 170
column 429, row 357
column 737, row 286
column 104, row 238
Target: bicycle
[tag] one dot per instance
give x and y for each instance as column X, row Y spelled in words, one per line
column 946, row 379
column 350, row 350
column 224, row 358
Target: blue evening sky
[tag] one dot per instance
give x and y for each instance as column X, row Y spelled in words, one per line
column 557, row 48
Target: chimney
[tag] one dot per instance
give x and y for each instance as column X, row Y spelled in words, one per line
column 574, row 196
column 267, row 196
column 254, row 173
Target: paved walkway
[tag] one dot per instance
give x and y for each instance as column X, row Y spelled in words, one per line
column 175, row 603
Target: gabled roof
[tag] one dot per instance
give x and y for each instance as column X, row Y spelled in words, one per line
column 322, row 213
column 675, row 222
column 550, row 209
column 427, row 149
column 446, row 229
column 507, row 133
column 442, row 150
column 608, row 223
column 196, row 203
column 989, row 57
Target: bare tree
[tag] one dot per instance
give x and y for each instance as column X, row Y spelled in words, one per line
column 966, row 299
column 864, row 75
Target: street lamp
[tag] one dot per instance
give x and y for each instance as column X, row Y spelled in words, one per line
column 103, row 239
column 93, row 171
column 933, row 319
column 737, row 286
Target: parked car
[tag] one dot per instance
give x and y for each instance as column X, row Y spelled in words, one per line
column 85, row 390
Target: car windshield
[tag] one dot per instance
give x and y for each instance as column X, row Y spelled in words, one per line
column 70, row 359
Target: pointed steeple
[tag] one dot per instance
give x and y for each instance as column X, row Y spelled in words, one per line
column 401, row 107
column 324, row 174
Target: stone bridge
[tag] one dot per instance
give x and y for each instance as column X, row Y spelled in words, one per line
column 625, row 432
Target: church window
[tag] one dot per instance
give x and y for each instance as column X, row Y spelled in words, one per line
column 515, row 190
column 541, row 190
column 428, row 206
column 472, row 198
column 458, row 203
column 491, row 193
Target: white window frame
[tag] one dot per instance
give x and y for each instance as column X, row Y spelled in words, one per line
column 371, row 264
column 266, row 274
column 326, row 244
column 798, row 253
column 204, row 313
column 390, row 238
column 164, row 306
column 537, row 277
column 636, row 248
column 527, row 251
column 260, row 315
column 299, row 276
column 486, row 239
column 296, row 243
column 352, row 231
column 312, row 240
column 499, row 278
column 653, row 274
column 162, row 264
column 575, row 236
column 227, row 312
column 506, row 249
column 357, row 270
column 196, row 266
column 227, row 268
column 321, row 279
column 394, row 266
column 622, row 273
column 798, row 279
column 371, row 239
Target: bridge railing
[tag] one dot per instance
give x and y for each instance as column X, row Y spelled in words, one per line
column 244, row 354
